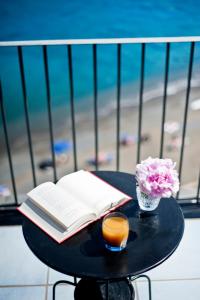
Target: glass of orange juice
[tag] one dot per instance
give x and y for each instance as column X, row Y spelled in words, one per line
column 115, row 230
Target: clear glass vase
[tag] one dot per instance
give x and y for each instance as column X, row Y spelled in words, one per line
column 146, row 202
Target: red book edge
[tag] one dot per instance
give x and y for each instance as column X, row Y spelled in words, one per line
column 84, row 225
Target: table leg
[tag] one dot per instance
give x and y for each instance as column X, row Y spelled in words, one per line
column 149, row 283
column 107, row 289
column 61, row 282
column 104, row 290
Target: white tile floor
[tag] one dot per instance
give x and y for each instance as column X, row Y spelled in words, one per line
column 23, row 276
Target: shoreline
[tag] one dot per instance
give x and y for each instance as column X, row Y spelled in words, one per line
column 152, row 111
column 106, row 103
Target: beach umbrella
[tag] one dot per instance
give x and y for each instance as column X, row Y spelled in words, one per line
column 103, row 159
column 171, row 127
column 4, row 191
column 128, row 139
column 62, row 146
column 195, row 105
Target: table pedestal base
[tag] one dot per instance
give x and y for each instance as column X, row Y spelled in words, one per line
column 100, row 290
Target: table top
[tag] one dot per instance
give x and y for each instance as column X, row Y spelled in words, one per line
column 153, row 238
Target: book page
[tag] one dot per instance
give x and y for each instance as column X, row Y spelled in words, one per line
column 91, row 190
column 47, row 224
column 59, row 204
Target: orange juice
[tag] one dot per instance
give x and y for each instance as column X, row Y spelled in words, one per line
column 115, row 230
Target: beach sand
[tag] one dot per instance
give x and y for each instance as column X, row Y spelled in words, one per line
column 151, row 125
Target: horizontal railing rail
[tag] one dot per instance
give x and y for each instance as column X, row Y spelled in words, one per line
column 103, row 41
column 20, row 45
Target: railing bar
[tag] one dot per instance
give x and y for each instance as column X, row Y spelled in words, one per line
column 8, row 145
column 186, row 110
column 28, row 129
column 198, row 190
column 164, row 97
column 141, row 100
column 118, row 103
column 72, row 105
column 103, row 41
column 9, row 206
column 49, row 111
column 95, row 104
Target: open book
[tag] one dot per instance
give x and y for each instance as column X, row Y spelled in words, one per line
column 77, row 199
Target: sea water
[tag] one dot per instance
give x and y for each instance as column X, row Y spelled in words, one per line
column 64, row 19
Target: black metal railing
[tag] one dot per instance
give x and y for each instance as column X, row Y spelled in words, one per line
column 8, row 211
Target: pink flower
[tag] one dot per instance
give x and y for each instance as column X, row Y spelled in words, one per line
column 157, row 177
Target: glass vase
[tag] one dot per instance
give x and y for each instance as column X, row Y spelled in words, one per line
column 146, row 202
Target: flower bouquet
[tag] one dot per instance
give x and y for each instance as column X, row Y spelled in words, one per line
column 156, row 178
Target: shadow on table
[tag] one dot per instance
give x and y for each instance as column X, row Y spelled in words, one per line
column 95, row 246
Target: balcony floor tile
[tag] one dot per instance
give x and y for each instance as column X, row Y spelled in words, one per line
column 18, row 264
column 22, row 293
column 174, row 290
column 62, row 292
column 178, row 277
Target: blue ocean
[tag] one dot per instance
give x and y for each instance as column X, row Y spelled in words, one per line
column 64, row 19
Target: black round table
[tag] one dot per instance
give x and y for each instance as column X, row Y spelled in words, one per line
column 153, row 237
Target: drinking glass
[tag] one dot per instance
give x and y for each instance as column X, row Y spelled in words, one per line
column 115, row 230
